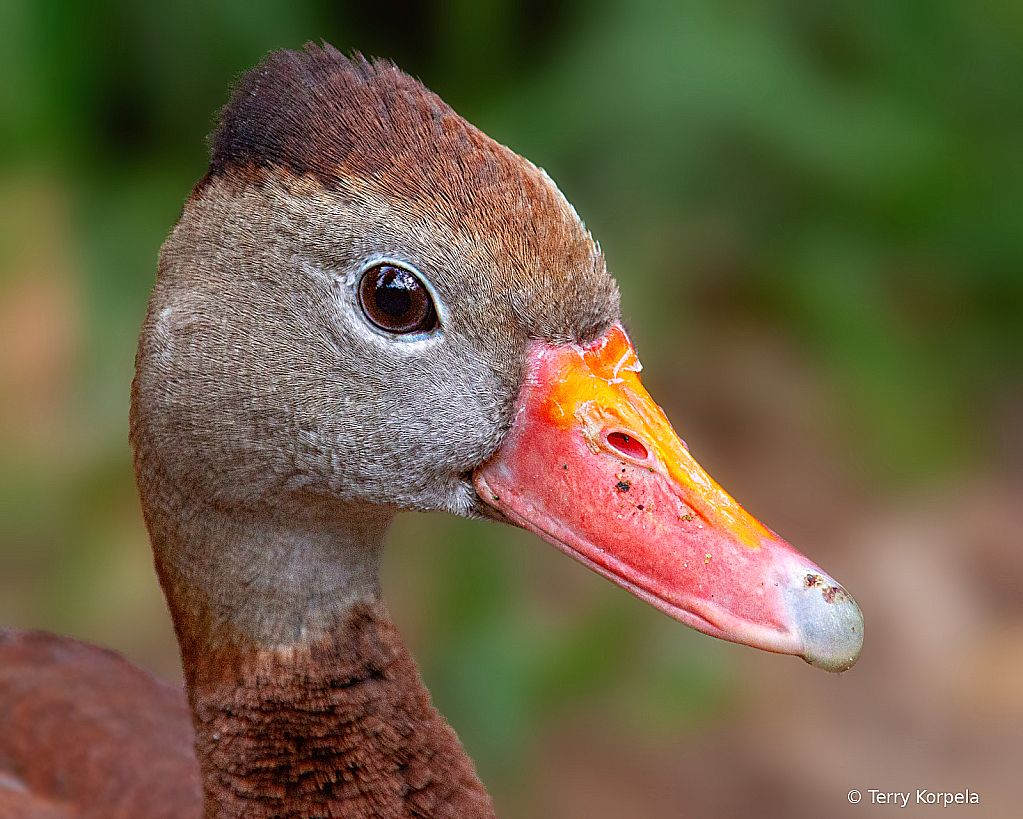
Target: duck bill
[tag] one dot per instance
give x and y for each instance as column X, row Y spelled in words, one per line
column 592, row 465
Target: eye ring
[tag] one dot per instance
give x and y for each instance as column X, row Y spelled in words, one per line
column 394, row 300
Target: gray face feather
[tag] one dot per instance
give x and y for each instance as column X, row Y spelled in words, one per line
column 263, row 377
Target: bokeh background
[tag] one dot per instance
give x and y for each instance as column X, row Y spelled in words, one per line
column 815, row 212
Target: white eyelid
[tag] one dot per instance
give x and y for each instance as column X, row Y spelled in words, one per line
column 418, row 339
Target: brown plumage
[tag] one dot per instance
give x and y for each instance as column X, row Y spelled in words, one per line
column 76, row 724
column 366, row 130
column 342, row 726
column 277, row 430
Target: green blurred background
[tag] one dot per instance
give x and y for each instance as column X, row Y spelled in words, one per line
column 815, row 213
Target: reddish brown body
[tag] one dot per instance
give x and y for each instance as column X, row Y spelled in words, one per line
column 86, row 735
column 344, row 728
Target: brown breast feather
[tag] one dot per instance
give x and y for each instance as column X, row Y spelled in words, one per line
column 340, row 727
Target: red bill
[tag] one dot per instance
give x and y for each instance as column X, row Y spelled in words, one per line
column 593, row 466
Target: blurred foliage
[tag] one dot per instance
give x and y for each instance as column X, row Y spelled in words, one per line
column 849, row 174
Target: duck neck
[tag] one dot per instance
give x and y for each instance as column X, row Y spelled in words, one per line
column 304, row 699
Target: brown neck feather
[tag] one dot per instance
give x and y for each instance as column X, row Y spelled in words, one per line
column 339, row 727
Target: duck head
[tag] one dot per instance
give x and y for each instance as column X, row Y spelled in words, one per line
column 368, row 305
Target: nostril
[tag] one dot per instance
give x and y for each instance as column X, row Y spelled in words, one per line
column 627, row 445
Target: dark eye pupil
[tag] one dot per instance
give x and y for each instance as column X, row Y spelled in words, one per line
column 396, row 301
column 393, row 299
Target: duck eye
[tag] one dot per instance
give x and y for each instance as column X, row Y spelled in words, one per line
column 396, row 301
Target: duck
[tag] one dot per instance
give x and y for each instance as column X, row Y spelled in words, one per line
column 369, row 306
